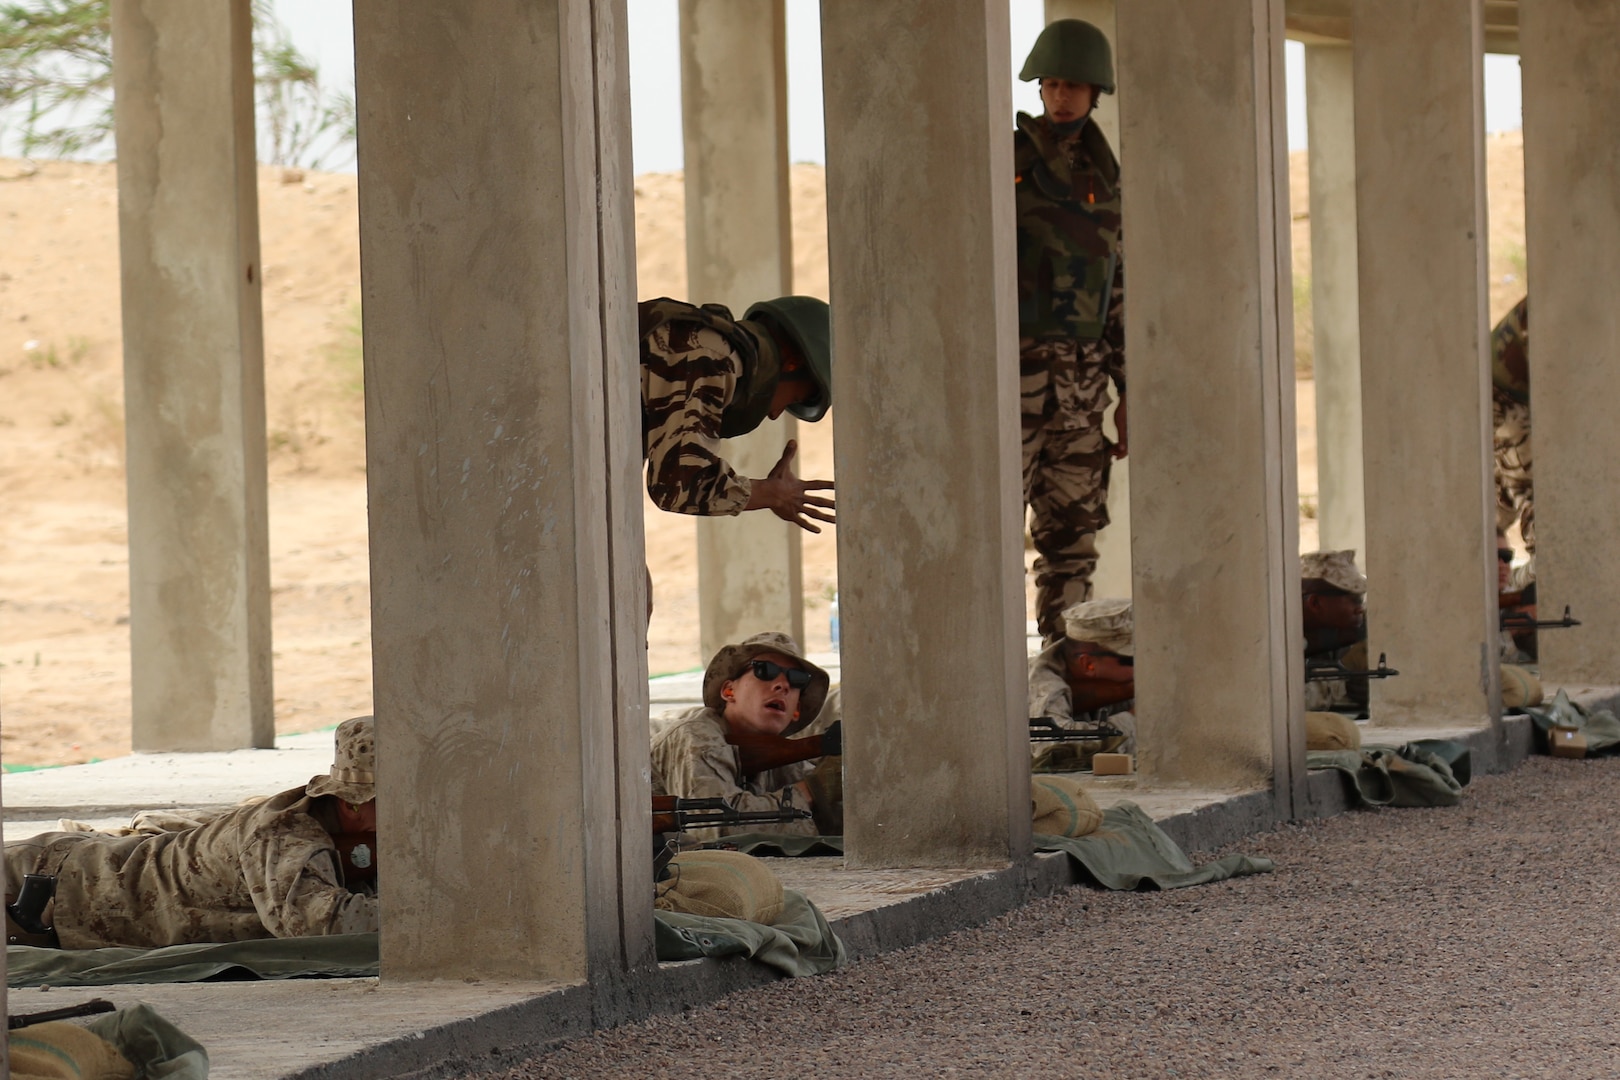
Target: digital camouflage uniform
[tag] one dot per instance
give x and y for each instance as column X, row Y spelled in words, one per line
column 269, row 869
column 1049, row 695
column 691, row 759
column 704, row 377
column 1510, row 411
column 1071, row 343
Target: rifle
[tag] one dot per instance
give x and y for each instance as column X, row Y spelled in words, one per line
column 761, row 753
column 1324, row 670
column 69, row 1012
column 1087, row 727
column 1517, row 622
column 671, row 814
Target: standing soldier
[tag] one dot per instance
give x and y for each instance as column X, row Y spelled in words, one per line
column 1070, row 315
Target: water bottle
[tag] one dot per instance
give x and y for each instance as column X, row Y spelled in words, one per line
column 832, row 623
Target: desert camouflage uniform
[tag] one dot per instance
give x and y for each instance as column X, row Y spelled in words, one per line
column 1049, row 695
column 692, row 760
column 704, row 377
column 1071, row 343
column 269, row 869
column 1510, row 410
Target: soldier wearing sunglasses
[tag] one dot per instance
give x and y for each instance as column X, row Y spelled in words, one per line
column 761, row 690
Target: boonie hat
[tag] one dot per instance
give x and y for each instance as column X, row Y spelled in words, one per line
column 1107, row 624
column 731, row 660
column 1336, row 568
column 354, row 768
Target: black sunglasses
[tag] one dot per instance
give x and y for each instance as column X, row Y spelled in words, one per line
column 1504, row 555
column 766, row 670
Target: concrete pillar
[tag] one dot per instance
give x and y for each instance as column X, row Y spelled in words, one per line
column 1214, row 502
column 1420, row 214
column 1571, row 58
column 739, row 249
column 503, row 463
column 1113, row 574
column 188, row 223
column 1330, row 115
column 929, row 498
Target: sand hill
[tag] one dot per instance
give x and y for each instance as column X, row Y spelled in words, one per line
column 64, row 635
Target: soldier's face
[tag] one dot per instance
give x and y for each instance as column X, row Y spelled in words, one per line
column 1066, row 101
column 1339, row 611
column 1088, row 666
column 762, row 706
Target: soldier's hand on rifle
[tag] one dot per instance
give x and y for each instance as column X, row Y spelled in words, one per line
column 789, row 498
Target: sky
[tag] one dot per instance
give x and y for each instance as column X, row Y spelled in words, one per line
column 324, row 31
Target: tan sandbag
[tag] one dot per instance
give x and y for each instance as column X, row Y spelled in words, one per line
column 1331, row 731
column 62, row 1051
column 1061, row 807
column 721, row 884
column 1520, row 687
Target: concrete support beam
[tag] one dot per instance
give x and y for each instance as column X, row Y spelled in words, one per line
column 1420, row 215
column 188, row 224
column 1331, row 118
column 739, row 249
column 929, row 496
column 503, row 461
column 1113, row 574
column 1572, row 208
column 1214, row 503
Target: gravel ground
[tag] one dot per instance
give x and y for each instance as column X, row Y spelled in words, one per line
column 1473, row 941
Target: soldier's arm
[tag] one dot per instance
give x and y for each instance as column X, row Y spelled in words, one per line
column 685, row 393
column 298, row 891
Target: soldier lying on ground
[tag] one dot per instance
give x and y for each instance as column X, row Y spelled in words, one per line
column 760, row 689
column 1333, row 603
column 297, row 864
column 1089, row 671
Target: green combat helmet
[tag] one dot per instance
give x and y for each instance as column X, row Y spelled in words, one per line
column 806, row 320
column 1074, row 50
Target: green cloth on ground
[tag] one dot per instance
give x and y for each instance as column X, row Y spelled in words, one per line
column 1128, row 851
column 1407, row 775
column 1601, row 728
column 799, row 943
column 334, row 956
column 157, row 1049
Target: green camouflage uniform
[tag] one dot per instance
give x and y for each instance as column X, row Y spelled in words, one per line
column 704, row 377
column 1071, row 343
column 1510, row 410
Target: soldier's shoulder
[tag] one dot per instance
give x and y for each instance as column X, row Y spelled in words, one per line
column 699, row 724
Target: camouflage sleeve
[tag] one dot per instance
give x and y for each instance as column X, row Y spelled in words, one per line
column 1114, row 330
column 1048, row 689
column 695, row 762
column 298, row 892
column 688, row 375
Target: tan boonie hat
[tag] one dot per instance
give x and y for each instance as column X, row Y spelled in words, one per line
column 1336, row 568
column 354, row 769
column 731, row 661
column 1107, row 624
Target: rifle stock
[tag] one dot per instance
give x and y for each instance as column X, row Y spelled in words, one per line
column 761, row 753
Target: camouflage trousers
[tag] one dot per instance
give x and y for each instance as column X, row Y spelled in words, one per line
column 1063, row 389
column 1514, row 496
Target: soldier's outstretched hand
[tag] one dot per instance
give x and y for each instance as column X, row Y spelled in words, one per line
column 789, row 498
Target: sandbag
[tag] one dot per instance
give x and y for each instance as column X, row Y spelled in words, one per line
column 1520, row 687
column 1061, row 807
column 721, row 884
column 58, row 1050
column 1331, row 731
column 1598, row 731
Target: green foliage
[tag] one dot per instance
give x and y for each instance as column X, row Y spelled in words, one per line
column 56, row 81
column 1304, row 328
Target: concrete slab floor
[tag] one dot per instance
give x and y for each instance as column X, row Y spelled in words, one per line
column 260, row 1030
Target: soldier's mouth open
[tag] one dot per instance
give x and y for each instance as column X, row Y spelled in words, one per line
column 776, row 705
